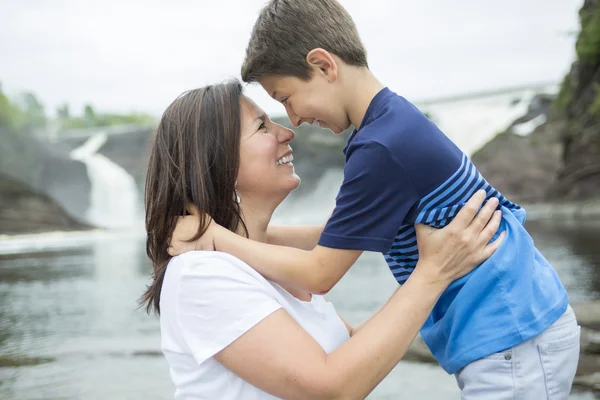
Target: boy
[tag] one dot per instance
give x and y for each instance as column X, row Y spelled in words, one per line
column 505, row 330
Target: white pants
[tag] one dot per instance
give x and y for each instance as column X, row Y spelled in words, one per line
column 541, row 368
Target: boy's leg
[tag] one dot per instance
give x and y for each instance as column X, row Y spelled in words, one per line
column 540, row 368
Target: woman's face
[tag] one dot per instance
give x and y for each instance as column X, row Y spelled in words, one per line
column 266, row 169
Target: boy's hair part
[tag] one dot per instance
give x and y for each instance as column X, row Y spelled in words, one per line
column 287, row 30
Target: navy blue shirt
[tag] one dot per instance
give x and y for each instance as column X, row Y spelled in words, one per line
column 402, row 170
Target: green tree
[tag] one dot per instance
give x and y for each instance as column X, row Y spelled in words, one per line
column 588, row 41
column 89, row 114
column 33, row 111
column 11, row 116
column 5, row 110
column 91, row 119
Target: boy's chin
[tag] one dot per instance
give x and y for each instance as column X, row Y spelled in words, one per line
column 336, row 131
column 332, row 129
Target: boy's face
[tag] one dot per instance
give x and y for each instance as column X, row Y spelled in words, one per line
column 317, row 101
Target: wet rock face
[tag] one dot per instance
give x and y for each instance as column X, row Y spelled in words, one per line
column 46, row 170
column 579, row 104
column 588, row 371
column 561, row 160
column 24, row 210
column 522, row 168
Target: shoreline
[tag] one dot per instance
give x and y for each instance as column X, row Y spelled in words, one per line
column 582, row 210
column 59, row 240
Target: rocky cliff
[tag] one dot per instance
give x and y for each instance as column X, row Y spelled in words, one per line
column 24, row 210
column 560, row 160
column 579, row 105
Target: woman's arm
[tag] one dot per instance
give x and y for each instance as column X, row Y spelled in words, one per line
column 354, row 329
column 281, row 358
column 278, row 356
column 303, row 237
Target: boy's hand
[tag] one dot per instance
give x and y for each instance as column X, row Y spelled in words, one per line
column 185, row 230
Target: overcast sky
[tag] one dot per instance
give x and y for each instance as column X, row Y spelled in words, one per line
column 125, row 55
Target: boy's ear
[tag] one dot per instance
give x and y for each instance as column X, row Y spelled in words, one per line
column 322, row 62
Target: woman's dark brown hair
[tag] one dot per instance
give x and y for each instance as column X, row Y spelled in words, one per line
column 194, row 160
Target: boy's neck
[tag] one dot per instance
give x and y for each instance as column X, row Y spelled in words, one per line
column 361, row 88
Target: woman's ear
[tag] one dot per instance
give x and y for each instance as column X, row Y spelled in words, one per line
column 322, row 62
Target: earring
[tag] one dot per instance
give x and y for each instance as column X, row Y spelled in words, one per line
column 237, row 197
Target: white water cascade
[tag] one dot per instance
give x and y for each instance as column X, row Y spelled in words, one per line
column 114, row 195
column 313, row 207
column 471, row 123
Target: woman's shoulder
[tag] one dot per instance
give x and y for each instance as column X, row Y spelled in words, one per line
column 214, row 265
column 203, row 257
column 210, row 284
column 215, row 274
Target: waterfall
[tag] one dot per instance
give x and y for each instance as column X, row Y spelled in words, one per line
column 472, row 123
column 114, row 196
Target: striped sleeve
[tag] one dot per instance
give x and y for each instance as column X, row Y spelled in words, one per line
column 374, row 199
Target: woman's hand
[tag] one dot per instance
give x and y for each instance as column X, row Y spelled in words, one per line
column 452, row 252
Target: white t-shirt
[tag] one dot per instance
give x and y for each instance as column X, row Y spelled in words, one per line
column 208, row 300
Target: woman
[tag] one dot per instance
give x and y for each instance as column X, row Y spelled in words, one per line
column 227, row 333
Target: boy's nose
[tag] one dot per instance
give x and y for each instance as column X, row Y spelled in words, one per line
column 294, row 119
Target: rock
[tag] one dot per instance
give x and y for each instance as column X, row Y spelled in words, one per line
column 418, row 351
column 522, row 168
column 579, row 103
column 589, row 364
column 590, row 341
column 23, row 210
column 588, row 382
column 45, row 169
column 561, row 159
column 588, row 371
column 588, row 314
column 539, row 107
